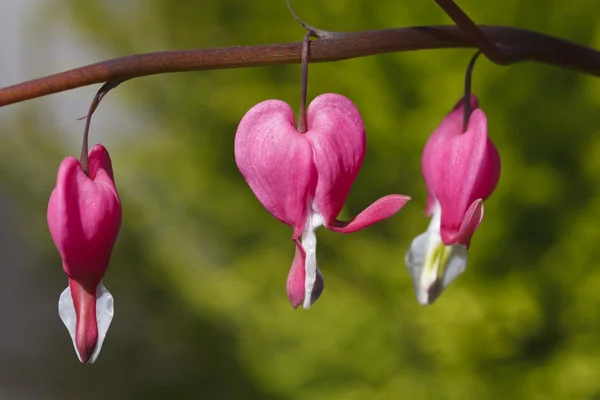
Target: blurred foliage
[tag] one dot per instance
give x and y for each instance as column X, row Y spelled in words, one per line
column 208, row 264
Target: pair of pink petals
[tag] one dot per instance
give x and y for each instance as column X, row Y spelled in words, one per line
column 84, row 217
column 303, row 179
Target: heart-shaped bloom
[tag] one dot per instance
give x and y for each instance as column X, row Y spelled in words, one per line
column 304, row 179
column 461, row 170
column 84, row 217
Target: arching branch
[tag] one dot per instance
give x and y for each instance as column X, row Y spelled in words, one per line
column 517, row 45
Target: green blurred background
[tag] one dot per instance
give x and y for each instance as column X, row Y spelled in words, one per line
column 199, row 270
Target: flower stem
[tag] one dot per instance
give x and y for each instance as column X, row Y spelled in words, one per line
column 302, row 115
column 83, row 159
column 467, row 97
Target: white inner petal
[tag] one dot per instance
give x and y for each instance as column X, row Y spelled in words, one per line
column 104, row 316
column 433, row 265
column 105, row 311
column 309, row 243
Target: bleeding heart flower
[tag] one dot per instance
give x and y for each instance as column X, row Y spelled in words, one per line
column 84, row 217
column 304, row 179
column 461, row 170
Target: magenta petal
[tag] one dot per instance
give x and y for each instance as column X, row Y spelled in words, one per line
column 460, row 168
column 296, row 277
column 469, row 224
column 295, row 285
column 86, row 337
column 84, row 217
column 276, row 161
column 337, row 135
column 381, row 209
column 100, row 165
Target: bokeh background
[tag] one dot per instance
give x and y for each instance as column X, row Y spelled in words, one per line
column 199, row 270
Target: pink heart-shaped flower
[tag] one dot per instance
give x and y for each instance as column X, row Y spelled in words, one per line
column 303, row 179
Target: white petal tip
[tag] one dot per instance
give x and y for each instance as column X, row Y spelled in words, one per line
column 433, row 266
column 425, row 298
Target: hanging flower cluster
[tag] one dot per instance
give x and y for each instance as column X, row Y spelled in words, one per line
column 302, row 175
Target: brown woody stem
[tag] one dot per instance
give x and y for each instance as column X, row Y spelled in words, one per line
column 518, row 44
column 473, row 32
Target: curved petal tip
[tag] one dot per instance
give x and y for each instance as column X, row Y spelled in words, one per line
column 381, row 209
column 469, row 224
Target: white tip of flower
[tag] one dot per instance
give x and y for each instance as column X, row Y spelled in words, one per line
column 309, row 243
column 433, row 265
column 313, row 281
column 104, row 315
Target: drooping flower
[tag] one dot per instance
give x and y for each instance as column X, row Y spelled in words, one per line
column 461, row 170
column 303, row 179
column 84, row 217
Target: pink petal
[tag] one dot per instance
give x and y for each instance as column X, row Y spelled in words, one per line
column 460, row 168
column 381, row 209
column 450, row 127
column 86, row 336
column 84, row 217
column 100, row 165
column 276, row 161
column 469, row 224
column 296, row 278
column 337, row 136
